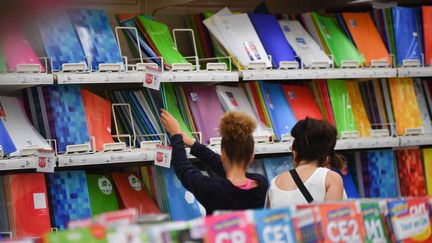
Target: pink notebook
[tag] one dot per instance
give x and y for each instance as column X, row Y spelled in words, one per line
column 17, row 50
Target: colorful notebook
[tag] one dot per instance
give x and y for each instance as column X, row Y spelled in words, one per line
column 405, row 107
column 272, row 38
column 60, row 39
column 98, row 116
column 231, row 227
column 96, row 36
column 358, row 108
column 171, row 106
column 281, row 114
column 91, row 234
column 337, row 42
column 374, row 224
column 423, row 106
column 276, row 166
column 341, row 104
column 69, row 197
column 427, row 32
column 132, row 194
column 274, row 225
column 102, row 194
column 28, row 195
column 6, row 142
column 302, row 102
column 427, row 160
column 366, row 37
column 411, row 173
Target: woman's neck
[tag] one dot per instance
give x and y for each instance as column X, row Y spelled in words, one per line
column 237, row 175
column 305, row 163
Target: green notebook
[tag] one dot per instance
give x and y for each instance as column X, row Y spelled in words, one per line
column 341, row 106
column 102, row 194
column 337, row 42
column 170, row 103
column 162, row 39
column 373, row 222
column 3, row 67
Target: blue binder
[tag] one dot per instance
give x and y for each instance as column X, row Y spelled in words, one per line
column 5, row 140
column 96, row 36
column 66, row 115
column 382, row 174
column 179, row 208
column 272, row 38
column 281, row 115
column 406, row 34
column 60, row 40
column 275, row 166
column 274, row 225
column 69, row 197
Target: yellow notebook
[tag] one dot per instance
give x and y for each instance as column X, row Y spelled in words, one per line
column 358, row 108
column 427, row 160
column 405, row 106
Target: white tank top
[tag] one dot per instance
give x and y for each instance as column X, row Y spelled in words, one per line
column 315, row 184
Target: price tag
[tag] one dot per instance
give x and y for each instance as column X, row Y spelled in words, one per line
column 163, row 156
column 152, row 78
column 45, row 161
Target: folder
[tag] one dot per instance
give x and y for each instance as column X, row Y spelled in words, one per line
column 19, row 128
column 411, row 174
column 427, row 160
column 6, row 142
column 272, row 38
column 406, row 34
column 427, row 32
column 162, row 39
column 304, row 46
column 276, row 166
column 96, row 37
column 341, row 106
column 358, row 108
column 60, row 40
column 98, row 115
column 405, row 107
column 302, row 102
column 170, row 104
column 338, row 43
column 366, row 37
column 102, row 194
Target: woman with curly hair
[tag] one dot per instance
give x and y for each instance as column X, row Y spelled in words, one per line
column 230, row 187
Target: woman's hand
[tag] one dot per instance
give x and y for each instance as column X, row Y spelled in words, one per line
column 172, row 126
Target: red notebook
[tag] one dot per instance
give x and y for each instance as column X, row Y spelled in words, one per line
column 427, row 32
column 98, row 116
column 411, row 174
column 302, row 102
column 30, row 211
column 133, row 194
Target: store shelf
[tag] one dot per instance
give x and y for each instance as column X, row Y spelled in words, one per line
column 415, row 72
column 200, row 76
column 367, row 143
column 99, row 78
column 335, row 73
column 18, row 163
column 412, row 141
column 26, row 78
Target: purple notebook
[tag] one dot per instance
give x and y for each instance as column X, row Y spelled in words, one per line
column 206, row 109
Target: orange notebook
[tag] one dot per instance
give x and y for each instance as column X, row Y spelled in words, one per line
column 427, row 32
column 366, row 37
column 98, row 115
column 302, row 102
column 358, row 108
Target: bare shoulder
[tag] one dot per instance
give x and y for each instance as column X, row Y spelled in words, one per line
column 333, row 177
column 283, row 176
column 283, row 180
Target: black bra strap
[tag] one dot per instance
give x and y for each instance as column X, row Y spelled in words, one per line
column 301, row 186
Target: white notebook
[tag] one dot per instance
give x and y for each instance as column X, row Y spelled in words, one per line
column 302, row 43
column 23, row 134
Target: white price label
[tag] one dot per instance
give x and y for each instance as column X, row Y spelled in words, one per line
column 163, row 156
column 152, row 78
column 45, row 161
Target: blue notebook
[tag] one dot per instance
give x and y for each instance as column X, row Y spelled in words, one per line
column 281, row 115
column 5, row 140
column 96, row 36
column 406, row 34
column 276, row 166
column 60, row 40
column 272, row 38
column 182, row 203
column 274, row 225
column 348, row 182
column 69, row 197
column 66, row 115
column 382, row 174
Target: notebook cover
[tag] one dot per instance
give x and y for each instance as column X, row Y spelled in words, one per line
column 303, row 44
column 170, row 104
column 272, row 38
column 423, row 108
column 29, row 204
column 102, row 194
column 406, row 34
column 341, row 106
column 60, row 40
column 281, row 114
column 162, row 39
column 427, row 32
column 276, row 166
column 182, row 203
column 69, row 197
column 358, row 108
column 6, row 142
column 338, row 43
column 3, row 67
column 374, row 224
column 260, row 98
column 411, row 174
column 19, row 128
column 230, row 227
column 322, row 85
column 379, row 174
column 256, row 99
column 132, row 194
column 96, row 36
column 275, row 224
column 427, row 160
column 366, row 37
column 302, row 102
column 405, row 106
column 66, row 115
column 388, row 105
